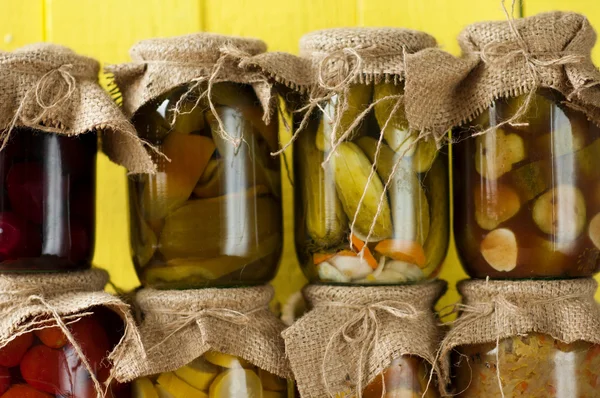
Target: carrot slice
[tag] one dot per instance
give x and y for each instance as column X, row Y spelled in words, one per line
column 368, row 256
column 319, row 258
column 402, row 250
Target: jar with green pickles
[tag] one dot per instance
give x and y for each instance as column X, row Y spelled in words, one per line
column 211, row 215
column 371, row 208
column 214, row 375
column 528, row 190
column 533, row 366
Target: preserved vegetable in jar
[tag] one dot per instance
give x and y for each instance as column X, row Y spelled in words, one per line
column 214, row 375
column 44, row 363
column 529, row 366
column 371, row 196
column 406, row 377
column 527, row 191
column 211, row 215
column 47, row 203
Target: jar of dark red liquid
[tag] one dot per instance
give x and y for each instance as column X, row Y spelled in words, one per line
column 47, row 201
column 45, row 363
column 527, row 190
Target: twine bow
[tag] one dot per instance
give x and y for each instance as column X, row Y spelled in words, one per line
column 498, row 53
column 362, row 330
column 187, row 318
column 228, row 52
column 54, row 88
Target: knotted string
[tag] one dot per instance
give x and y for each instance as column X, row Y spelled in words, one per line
column 187, row 318
column 500, row 53
column 361, row 329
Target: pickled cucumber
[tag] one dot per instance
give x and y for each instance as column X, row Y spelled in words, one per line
column 436, row 245
column 397, row 133
column 408, row 202
column 230, row 225
column 351, row 173
column 325, row 218
column 358, row 99
column 143, row 238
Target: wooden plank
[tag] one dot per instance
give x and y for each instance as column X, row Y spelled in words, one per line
column 441, row 18
column 106, row 30
column 279, row 23
column 21, row 22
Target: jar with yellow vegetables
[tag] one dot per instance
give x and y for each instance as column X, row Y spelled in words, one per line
column 211, row 215
column 214, row 375
column 527, row 192
column 371, row 195
column 533, row 366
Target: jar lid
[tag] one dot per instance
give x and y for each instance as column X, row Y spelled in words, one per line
column 390, row 40
column 197, row 47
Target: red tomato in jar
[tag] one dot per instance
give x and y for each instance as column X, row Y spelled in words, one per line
column 24, row 391
column 41, row 368
column 4, row 379
column 11, row 354
column 52, row 337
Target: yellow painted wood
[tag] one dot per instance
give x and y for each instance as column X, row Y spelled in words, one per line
column 443, row 19
column 106, row 30
column 587, row 7
column 21, row 22
column 280, row 23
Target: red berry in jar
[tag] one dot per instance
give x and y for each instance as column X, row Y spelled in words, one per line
column 11, row 354
column 52, row 337
column 42, row 368
column 4, row 379
column 26, row 190
column 13, row 236
column 24, row 391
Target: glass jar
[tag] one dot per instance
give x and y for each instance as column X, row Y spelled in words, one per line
column 214, row 375
column 532, row 366
column 43, row 363
column 409, row 222
column 406, row 377
column 211, row 216
column 527, row 195
column 47, row 201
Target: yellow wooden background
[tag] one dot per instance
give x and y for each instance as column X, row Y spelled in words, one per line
column 106, row 29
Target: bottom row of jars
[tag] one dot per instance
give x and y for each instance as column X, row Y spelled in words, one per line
column 44, row 363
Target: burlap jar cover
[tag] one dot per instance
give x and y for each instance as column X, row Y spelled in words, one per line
column 199, row 61
column 180, row 326
column 353, row 333
column 50, row 88
column 36, row 301
column 495, row 310
column 504, row 59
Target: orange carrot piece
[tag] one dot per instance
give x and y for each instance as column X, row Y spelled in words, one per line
column 368, row 256
column 319, row 258
column 402, row 250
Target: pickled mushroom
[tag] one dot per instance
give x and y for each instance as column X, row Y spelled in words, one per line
column 499, row 248
column 561, row 212
column 498, row 205
column 594, row 231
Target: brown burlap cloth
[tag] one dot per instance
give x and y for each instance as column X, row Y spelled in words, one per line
column 200, row 60
column 494, row 310
column 352, row 334
column 503, row 59
column 34, row 301
column 179, row 326
column 50, row 88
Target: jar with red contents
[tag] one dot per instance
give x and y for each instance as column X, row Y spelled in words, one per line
column 47, row 201
column 45, row 363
